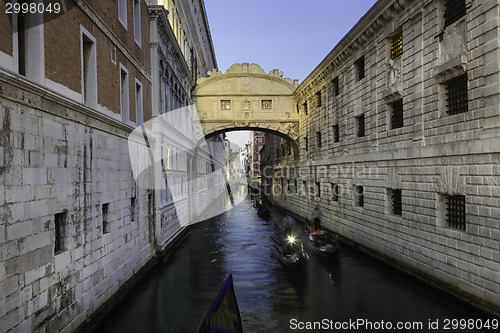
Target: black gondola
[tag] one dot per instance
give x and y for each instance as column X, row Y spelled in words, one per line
column 288, row 249
column 322, row 241
column 224, row 313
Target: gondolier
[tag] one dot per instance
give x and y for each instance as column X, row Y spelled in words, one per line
column 316, row 217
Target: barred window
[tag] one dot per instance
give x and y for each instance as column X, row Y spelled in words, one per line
column 335, row 86
column 360, row 68
column 456, row 95
column 397, row 114
column 453, row 11
column 335, row 192
column 318, row 99
column 455, row 211
column 336, row 133
column 225, row 105
column 360, row 125
column 266, row 104
column 397, row 43
column 318, row 139
column 359, row 196
column 397, row 204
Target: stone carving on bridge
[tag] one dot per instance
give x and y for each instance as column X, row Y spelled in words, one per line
column 259, row 101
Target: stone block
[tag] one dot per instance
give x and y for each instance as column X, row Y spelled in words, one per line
column 35, row 274
column 38, row 208
column 34, row 176
column 35, row 259
column 62, row 261
column 19, row 230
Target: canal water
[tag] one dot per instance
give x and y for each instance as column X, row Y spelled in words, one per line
column 350, row 287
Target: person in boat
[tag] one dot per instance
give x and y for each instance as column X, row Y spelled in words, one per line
column 316, row 217
column 288, row 223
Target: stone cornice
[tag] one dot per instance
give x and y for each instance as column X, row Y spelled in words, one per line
column 94, row 119
column 375, row 19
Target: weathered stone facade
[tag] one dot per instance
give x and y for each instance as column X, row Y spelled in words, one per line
column 386, row 182
column 76, row 223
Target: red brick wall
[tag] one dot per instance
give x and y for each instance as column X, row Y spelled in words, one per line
column 63, row 57
column 5, row 32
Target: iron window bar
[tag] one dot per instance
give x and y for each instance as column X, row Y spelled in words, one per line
column 456, row 95
column 397, row 114
column 397, row 44
column 397, row 204
column 453, row 11
column 455, row 211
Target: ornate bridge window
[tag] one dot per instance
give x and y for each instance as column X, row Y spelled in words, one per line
column 266, row 104
column 225, row 105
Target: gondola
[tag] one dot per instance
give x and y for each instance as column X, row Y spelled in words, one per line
column 288, row 249
column 322, row 242
column 261, row 205
column 224, row 314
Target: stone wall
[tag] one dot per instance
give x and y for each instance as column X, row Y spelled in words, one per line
column 432, row 156
column 58, row 160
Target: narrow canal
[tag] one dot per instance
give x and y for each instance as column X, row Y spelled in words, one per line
column 176, row 294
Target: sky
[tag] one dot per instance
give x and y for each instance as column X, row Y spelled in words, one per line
column 290, row 35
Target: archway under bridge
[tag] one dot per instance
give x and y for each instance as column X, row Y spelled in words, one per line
column 247, row 98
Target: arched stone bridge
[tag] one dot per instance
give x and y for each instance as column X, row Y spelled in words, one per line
column 246, row 98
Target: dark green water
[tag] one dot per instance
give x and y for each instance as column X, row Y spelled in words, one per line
column 352, row 286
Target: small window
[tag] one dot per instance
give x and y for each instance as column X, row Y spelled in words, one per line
column 306, row 140
column 455, row 211
column 359, row 196
column 396, row 202
column 360, row 68
column 397, row 114
column 335, row 192
column 122, row 12
column 335, row 86
column 124, row 94
column 137, row 22
column 318, row 139
column 60, row 232
column 456, row 95
column 305, row 108
column 318, row 98
column 133, row 208
column 138, row 103
column 105, row 218
column 397, row 44
column 453, row 11
column 89, row 68
column 225, row 105
column 318, row 189
column 336, row 133
column 266, row 104
column 360, row 125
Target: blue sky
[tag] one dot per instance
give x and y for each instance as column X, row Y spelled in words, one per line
column 291, row 35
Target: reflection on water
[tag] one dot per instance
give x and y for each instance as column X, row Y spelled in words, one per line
column 176, row 294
